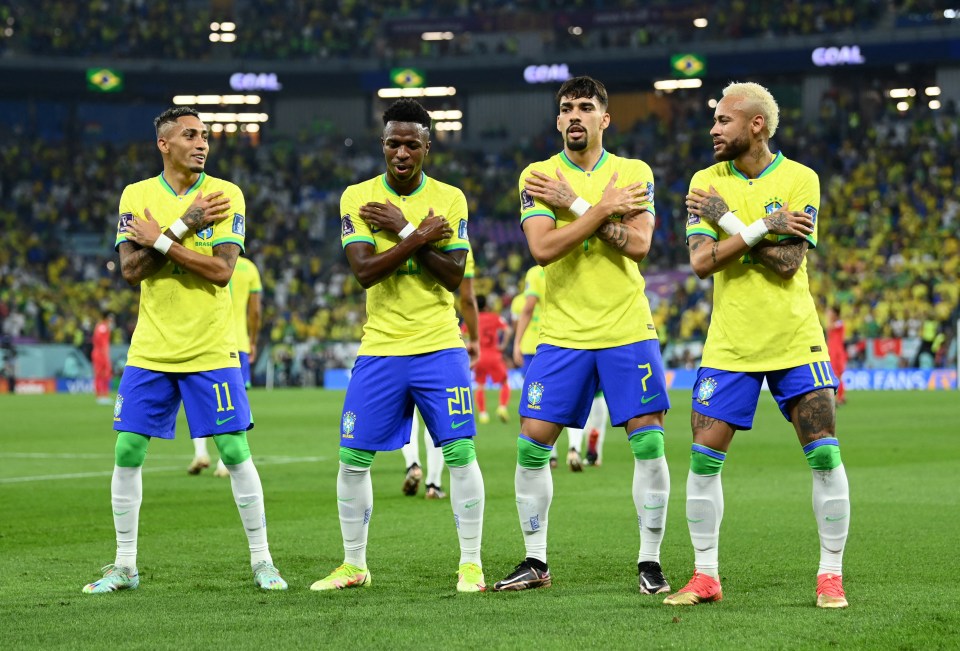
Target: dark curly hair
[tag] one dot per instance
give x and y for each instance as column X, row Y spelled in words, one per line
column 407, row 110
column 578, row 87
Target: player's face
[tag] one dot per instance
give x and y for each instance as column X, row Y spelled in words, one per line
column 185, row 143
column 581, row 121
column 405, row 145
column 731, row 130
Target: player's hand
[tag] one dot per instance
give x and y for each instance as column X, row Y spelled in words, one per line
column 383, row 215
column 144, row 231
column 709, row 206
column 517, row 355
column 206, row 210
column 473, row 350
column 620, row 201
column 789, row 222
column 554, row 192
column 253, row 352
column 434, row 228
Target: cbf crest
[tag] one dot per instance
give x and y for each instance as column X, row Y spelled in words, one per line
column 206, row 233
column 348, row 424
column 534, row 395
column 705, row 391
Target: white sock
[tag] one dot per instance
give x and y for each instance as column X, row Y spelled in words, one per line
column 651, row 492
column 411, row 451
column 221, row 465
column 200, row 447
column 355, row 505
column 534, row 488
column 248, row 494
column 704, row 514
column 466, row 498
column 599, row 414
column 434, row 462
column 126, row 494
column 831, row 506
column 576, row 438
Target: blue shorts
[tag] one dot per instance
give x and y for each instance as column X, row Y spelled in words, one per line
column 245, row 369
column 731, row 396
column 378, row 408
column 561, row 383
column 526, row 364
column 148, row 401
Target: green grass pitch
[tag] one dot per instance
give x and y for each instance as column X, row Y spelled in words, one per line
column 901, row 452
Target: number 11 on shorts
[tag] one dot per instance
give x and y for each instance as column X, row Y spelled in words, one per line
column 226, row 393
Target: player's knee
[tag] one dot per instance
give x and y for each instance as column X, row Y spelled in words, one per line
column 131, row 449
column 233, row 448
column 706, row 461
column 823, row 454
column 532, row 454
column 647, row 442
column 355, row 457
column 459, row 453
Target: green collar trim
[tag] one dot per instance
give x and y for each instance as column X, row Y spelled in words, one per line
column 168, row 188
column 779, row 158
column 423, row 182
column 604, row 157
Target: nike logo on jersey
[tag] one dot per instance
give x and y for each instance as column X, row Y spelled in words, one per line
column 224, row 420
column 458, row 425
column 644, row 399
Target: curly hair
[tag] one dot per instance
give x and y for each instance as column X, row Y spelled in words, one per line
column 587, row 87
column 407, row 110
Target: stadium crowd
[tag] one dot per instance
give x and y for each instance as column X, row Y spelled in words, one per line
column 289, row 30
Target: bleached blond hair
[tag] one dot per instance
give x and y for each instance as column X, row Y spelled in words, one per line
column 760, row 101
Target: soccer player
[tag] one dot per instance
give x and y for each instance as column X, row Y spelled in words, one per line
column 837, row 349
column 405, row 237
column 493, row 340
column 184, row 348
column 764, row 326
column 588, row 218
column 245, row 292
column 411, row 451
column 100, row 356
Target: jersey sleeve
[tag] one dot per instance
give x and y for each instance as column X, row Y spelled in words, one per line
column 256, row 285
column 532, row 286
column 127, row 214
column 352, row 227
column 530, row 206
column 643, row 174
column 233, row 229
column 806, row 196
column 696, row 225
column 470, row 269
column 457, row 218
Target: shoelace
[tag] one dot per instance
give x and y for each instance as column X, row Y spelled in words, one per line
column 700, row 583
column 831, row 586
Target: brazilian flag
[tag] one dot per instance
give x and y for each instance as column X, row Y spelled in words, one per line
column 407, row 77
column 688, row 65
column 104, row 80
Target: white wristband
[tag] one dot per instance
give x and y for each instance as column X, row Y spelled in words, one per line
column 163, row 244
column 730, row 224
column 580, row 206
column 754, row 232
column 179, row 228
column 406, row 231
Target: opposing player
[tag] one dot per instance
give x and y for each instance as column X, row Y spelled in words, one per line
column 245, row 292
column 184, row 348
column 764, row 326
column 100, row 357
column 411, row 451
column 837, row 350
column 588, row 218
column 493, row 341
column 405, row 237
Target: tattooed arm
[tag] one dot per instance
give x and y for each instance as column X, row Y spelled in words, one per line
column 707, row 256
column 631, row 236
column 784, row 258
column 137, row 263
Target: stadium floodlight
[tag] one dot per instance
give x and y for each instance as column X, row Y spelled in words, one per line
column 900, row 93
column 228, row 26
column 222, row 100
column 230, row 128
column 446, row 115
column 216, row 128
column 934, row 104
column 229, row 37
column 437, row 36
column 214, row 27
column 575, row 30
column 950, row 13
column 712, row 103
column 931, row 91
column 449, row 126
column 253, row 128
column 429, row 91
column 214, row 37
column 903, row 106
column 700, row 22
column 670, row 85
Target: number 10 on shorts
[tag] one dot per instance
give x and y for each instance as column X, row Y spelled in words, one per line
column 460, row 402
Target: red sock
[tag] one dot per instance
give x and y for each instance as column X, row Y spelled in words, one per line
column 504, row 394
column 481, row 399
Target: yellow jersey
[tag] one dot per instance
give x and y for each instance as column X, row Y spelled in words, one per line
column 533, row 286
column 245, row 281
column 594, row 295
column 408, row 313
column 761, row 322
column 185, row 322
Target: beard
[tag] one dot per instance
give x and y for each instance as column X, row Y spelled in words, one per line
column 578, row 145
column 733, row 150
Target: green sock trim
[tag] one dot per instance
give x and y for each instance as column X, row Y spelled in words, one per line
column 647, row 442
column 706, row 461
column 358, row 458
column 531, row 454
column 459, row 453
column 131, row 449
column 233, row 448
column 824, row 457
